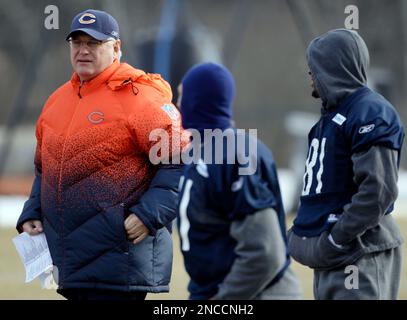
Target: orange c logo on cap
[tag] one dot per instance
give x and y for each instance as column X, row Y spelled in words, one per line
column 88, row 21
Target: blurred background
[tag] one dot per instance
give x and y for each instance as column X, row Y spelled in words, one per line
column 262, row 42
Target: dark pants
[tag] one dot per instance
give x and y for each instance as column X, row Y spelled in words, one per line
column 101, row 294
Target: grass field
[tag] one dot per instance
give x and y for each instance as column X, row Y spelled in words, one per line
column 12, row 284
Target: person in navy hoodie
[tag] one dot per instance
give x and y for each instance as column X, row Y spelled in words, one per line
column 344, row 229
column 231, row 223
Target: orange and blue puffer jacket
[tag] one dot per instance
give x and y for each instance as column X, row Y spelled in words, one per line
column 93, row 169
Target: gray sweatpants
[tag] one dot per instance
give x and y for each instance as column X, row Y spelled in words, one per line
column 375, row 276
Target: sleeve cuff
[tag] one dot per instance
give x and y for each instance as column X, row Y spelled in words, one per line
column 143, row 217
column 24, row 219
column 338, row 236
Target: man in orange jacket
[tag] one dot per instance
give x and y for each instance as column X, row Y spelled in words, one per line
column 106, row 210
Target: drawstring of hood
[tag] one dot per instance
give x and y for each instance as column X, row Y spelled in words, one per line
column 133, row 86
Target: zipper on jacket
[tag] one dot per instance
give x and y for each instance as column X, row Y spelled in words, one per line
column 79, row 91
column 127, row 246
column 124, row 206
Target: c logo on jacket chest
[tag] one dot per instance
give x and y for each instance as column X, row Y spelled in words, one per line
column 96, row 117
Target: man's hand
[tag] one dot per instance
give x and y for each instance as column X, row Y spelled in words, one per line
column 135, row 228
column 32, row 227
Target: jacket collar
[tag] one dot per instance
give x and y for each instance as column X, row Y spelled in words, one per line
column 100, row 79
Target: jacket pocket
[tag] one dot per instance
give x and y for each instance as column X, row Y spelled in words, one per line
column 114, row 217
column 330, row 256
column 151, row 260
column 320, row 253
column 162, row 255
column 141, row 261
column 302, row 249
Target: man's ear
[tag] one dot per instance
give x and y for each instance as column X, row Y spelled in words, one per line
column 116, row 48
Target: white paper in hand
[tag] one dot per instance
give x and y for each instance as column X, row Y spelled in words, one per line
column 34, row 253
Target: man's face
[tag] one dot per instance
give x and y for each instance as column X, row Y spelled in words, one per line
column 314, row 92
column 89, row 56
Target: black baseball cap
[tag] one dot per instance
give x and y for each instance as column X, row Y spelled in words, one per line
column 96, row 23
